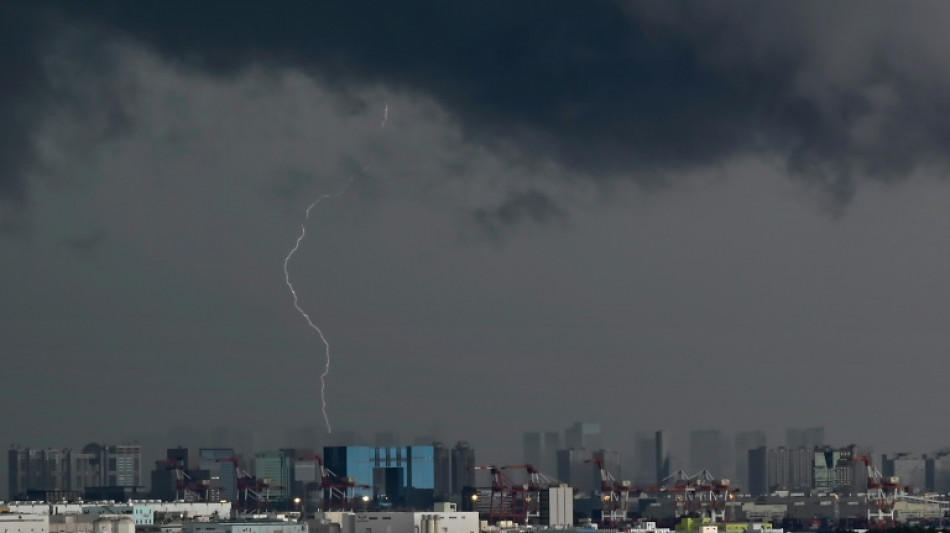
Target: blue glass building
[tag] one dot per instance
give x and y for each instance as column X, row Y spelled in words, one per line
column 401, row 477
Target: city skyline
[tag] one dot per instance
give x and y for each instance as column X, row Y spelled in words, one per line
column 716, row 216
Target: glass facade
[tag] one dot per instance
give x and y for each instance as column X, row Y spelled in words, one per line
column 403, row 476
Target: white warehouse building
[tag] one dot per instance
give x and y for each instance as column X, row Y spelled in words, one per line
column 419, row 522
column 24, row 523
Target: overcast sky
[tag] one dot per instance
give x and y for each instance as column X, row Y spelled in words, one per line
column 651, row 215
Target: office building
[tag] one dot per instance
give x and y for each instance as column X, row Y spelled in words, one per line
column 662, row 459
column 574, row 467
column 540, row 449
column 401, row 477
column 221, row 463
column 276, row 469
column 463, row 468
column 910, row 470
column 745, row 441
column 645, row 468
column 583, row 435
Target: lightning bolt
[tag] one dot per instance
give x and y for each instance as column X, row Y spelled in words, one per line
column 290, row 286
column 304, row 314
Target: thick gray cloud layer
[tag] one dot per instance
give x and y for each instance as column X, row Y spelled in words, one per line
column 165, row 154
column 837, row 93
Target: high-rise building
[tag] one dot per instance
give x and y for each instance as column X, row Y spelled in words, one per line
column 540, row 450
column 574, row 467
column 805, row 437
column 276, row 468
column 33, row 471
column 910, row 470
column 840, row 470
column 613, row 462
column 779, row 468
column 59, row 473
column 662, row 459
column 644, row 468
column 938, row 473
column 463, row 468
column 758, row 461
column 121, row 465
column 706, row 451
column 396, row 476
column 223, row 473
column 442, row 459
column 583, row 435
column 745, row 441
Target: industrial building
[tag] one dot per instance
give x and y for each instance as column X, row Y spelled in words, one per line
column 255, row 526
column 409, row 522
column 26, row 523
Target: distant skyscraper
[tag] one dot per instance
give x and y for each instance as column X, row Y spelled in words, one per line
column 745, row 441
column 911, row 470
column 575, row 468
column 442, row 461
column 805, row 437
column 938, row 473
column 790, row 468
column 276, row 466
column 613, row 462
column 540, row 450
column 59, row 473
column 583, row 435
column 706, row 451
column 644, row 465
column 463, row 467
column 757, row 460
column 662, row 458
column 223, row 473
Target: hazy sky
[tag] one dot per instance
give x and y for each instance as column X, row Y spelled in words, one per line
column 651, row 215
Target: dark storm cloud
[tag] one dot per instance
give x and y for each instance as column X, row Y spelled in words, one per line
column 519, row 207
column 604, row 88
column 23, row 27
